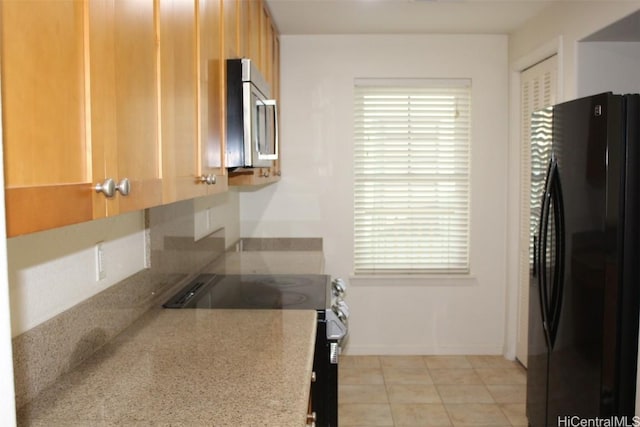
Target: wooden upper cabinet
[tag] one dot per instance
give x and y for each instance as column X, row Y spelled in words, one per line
column 124, row 67
column 47, row 152
column 231, row 23
column 212, row 101
column 179, row 101
column 250, row 17
column 255, row 33
column 244, row 27
column 112, row 90
column 266, row 48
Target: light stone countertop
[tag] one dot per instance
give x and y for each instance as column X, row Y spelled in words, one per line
column 190, row 368
column 268, row 262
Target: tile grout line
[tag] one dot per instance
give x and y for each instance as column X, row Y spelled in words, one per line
column 449, row 416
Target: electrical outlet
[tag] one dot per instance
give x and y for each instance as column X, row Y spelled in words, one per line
column 101, row 272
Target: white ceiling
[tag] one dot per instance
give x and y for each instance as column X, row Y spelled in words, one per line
column 402, row 16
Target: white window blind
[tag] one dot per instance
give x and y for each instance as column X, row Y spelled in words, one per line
column 411, row 189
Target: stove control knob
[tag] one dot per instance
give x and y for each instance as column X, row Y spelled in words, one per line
column 340, row 313
column 338, row 287
column 342, row 307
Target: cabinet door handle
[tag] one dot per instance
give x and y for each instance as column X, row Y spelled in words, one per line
column 208, row 179
column 124, row 187
column 108, row 187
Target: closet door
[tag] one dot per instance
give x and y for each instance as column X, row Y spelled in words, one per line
column 537, row 90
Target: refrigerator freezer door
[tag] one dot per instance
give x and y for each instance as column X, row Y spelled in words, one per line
column 589, row 369
column 631, row 267
column 587, row 149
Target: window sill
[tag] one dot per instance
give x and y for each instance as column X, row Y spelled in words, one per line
column 411, row 280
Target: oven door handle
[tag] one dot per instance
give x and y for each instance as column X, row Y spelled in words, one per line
column 273, row 104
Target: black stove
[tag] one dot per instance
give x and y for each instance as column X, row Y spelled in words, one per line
column 282, row 291
column 286, row 292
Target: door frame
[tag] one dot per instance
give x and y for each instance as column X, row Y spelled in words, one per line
column 514, row 245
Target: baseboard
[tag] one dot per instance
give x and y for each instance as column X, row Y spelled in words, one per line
column 356, row 350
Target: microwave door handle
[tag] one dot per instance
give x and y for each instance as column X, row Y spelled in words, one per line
column 271, row 103
column 276, row 131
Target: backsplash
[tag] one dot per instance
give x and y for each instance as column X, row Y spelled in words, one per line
column 56, row 346
column 248, row 244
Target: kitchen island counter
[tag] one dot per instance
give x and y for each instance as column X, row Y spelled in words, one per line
column 190, row 368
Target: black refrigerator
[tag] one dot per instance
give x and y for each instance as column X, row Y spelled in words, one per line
column 584, row 276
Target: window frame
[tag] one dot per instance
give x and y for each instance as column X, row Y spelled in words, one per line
column 417, row 85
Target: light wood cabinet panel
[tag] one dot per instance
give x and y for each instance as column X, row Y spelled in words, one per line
column 109, row 89
column 47, row 155
column 255, row 32
column 124, row 64
column 124, row 99
column 212, row 101
column 250, row 14
column 231, row 28
column 253, row 177
column 266, row 48
column 244, row 28
column 179, row 73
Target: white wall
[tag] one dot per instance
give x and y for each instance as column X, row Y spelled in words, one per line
column 608, row 67
column 571, row 21
column 314, row 197
column 54, row 270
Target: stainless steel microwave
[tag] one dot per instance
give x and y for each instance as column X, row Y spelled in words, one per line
column 252, row 117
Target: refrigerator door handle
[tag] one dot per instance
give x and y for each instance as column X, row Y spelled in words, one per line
column 542, row 256
column 534, row 267
column 557, row 288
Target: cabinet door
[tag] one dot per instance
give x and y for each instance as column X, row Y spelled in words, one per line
column 266, row 48
column 255, row 33
column 249, row 18
column 181, row 150
column 231, row 10
column 124, row 100
column 48, row 169
column 212, row 83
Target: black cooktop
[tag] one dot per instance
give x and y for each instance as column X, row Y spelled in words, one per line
column 248, row 291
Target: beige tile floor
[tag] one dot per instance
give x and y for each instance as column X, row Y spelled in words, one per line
column 431, row 391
